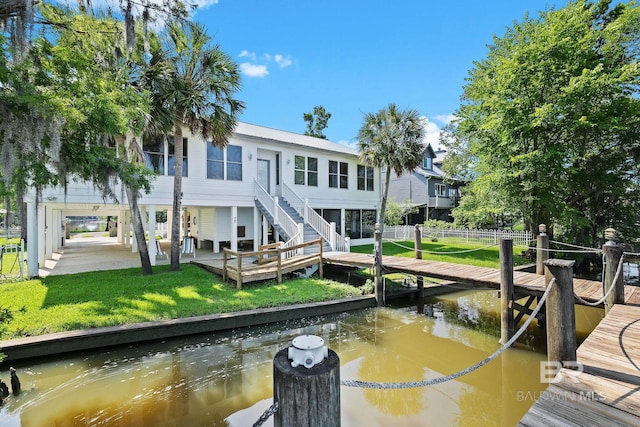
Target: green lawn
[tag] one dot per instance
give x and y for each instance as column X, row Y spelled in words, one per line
column 459, row 253
column 107, row 298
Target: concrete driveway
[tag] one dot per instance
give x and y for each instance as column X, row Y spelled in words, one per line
column 95, row 251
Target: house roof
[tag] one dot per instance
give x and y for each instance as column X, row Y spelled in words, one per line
column 280, row 136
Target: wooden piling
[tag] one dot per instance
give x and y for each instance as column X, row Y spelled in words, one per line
column 561, row 318
column 306, row 396
column 542, row 249
column 418, row 246
column 507, row 324
column 377, row 256
column 612, row 259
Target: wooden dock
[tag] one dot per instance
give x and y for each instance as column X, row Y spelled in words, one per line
column 472, row 276
column 604, row 390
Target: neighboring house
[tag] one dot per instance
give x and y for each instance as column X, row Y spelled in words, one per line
column 229, row 195
column 425, row 190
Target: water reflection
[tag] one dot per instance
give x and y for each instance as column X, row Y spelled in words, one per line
column 226, row 379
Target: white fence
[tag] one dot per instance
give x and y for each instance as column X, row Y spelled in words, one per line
column 486, row 237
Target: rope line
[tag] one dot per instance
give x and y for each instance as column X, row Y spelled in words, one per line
column 265, row 416
column 443, row 252
column 415, row 384
column 613, row 285
column 568, row 251
column 570, row 245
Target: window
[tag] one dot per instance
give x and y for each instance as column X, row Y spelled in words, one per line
column 312, row 173
column 360, row 224
column 453, row 192
column 215, row 162
column 427, row 162
column 365, row 178
column 172, row 156
column 338, row 174
column 234, row 163
column 440, row 190
column 306, row 167
column 299, row 170
column 224, row 163
column 154, row 154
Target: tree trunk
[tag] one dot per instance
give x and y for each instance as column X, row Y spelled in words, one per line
column 383, row 205
column 177, row 197
column 138, row 231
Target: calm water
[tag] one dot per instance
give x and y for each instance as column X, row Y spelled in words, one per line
column 226, row 379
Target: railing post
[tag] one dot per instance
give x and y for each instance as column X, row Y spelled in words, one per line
column 224, row 264
column 542, row 249
column 300, row 251
column 561, row 317
column 612, row 259
column 239, row 280
column 305, row 213
column 332, row 235
column 377, row 268
column 306, row 396
column 418, row 246
column 507, row 324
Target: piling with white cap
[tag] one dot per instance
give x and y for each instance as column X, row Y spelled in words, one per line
column 306, row 384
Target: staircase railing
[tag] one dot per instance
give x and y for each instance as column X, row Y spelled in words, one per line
column 279, row 215
column 326, row 230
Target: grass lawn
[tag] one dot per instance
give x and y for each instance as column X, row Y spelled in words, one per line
column 459, row 253
column 107, row 298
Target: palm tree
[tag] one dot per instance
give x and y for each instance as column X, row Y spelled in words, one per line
column 194, row 87
column 391, row 138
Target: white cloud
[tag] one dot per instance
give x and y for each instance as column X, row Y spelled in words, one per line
column 283, row 61
column 445, row 118
column 431, row 132
column 253, row 70
column 246, row 54
column 257, row 67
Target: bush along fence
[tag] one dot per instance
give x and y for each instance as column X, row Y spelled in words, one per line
column 485, row 237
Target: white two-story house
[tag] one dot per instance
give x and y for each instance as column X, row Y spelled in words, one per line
column 265, row 185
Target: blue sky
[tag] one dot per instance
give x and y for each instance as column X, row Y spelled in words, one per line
column 356, row 56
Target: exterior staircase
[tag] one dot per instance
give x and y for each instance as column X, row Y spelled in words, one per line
column 290, row 223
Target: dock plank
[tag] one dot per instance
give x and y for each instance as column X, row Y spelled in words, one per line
column 606, row 390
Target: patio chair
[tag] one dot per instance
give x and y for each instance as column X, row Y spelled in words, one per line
column 188, row 246
column 159, row 252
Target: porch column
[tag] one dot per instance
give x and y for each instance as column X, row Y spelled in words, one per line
column 32, row 240
column 265, row 230
column 41, row 231
column 234, row 228
column 151, row 210
column 256, row 227
column 49, row 233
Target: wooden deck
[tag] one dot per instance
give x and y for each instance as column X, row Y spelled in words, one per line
column 474, row 277
column 273, row 262
column 605, row 390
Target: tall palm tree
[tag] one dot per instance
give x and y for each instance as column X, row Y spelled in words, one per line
column 194, row 87
column 391, row 138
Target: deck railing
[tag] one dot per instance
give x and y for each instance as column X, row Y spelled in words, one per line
column 271, row 261
column 325, row 229
column 279, row 215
